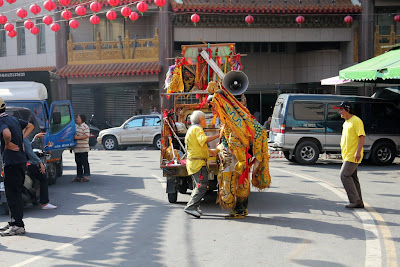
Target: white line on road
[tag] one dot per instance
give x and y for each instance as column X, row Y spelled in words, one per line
column 161, row 180
column 373, row 248
column 66, row 245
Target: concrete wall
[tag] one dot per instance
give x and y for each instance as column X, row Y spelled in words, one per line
column 32, row 58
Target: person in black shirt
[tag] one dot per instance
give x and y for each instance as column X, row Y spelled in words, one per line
column 14, row 164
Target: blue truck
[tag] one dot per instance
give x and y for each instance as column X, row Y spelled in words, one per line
column 55, row 118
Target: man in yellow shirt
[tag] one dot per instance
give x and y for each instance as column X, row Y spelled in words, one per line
column 351, row 143
column 196, row 163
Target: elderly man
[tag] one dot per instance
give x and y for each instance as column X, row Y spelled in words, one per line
column 351, row 144
column 197, row 156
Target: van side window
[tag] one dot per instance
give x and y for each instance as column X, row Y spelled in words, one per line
column 311, row 111
column 333, row 114
column 278, row 109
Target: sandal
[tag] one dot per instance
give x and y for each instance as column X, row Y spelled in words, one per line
column 85, row 179
column 77, row 180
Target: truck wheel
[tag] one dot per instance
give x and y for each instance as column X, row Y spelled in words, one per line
column 51, row 173
column 383, row 154
column 307, row 153
column 60, row 168
column 110, row 143
column 157, row 142
column 286, row 154
column 172, row 197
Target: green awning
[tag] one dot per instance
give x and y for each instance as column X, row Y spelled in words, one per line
column 385, row 66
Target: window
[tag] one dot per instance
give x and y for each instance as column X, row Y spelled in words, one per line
column 3, row 49
column 333, row 114
column 40, row 38
column 109, row 31
column 66, row 117
column 152, row 121
column 134, row 123
column 20, row 39
column 309, row 111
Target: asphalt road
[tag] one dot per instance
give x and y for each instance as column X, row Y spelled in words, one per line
column 122, row 218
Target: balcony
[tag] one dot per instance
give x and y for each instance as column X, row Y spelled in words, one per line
column 385, row 42
column 121, row 51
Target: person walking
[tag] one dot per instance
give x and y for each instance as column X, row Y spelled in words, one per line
column 37, row 170
column 196, row 163
column 81, row 149
column 14, row 161
column 351, row 144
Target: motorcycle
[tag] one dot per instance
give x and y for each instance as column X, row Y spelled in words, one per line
column 31, row 185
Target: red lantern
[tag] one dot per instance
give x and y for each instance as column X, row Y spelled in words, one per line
column 3, row 19
column 134, row 16
column 49, row 5
column 195, row 18
column 22, row 13
column 73, row 23
column 142, row 7
column 94, row 19
column 35, row 9
column 1, row 3
column 113, row 3
column 397, row 18
column 300, row 20
column 35, row 30
column 12, row 33
column 160, row 3
column 111, row 15
column 249, row 19
column 11, row 1
column 95, row 6
column 348, row 19
column 126, row 11
column 47, row 20
column 8, row 27
column 66, row 14
column 80, row 10
column 55, row 27
column 28, row 24
column 64, row 2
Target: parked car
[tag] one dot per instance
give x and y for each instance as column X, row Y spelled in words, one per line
column 138, row 130
column 304, row 126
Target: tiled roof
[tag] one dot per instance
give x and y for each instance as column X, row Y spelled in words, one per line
column 52, row 68
column 103, row 2
column 117, row 69
column 266, row 6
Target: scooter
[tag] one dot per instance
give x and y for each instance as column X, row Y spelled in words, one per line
column 31, row 185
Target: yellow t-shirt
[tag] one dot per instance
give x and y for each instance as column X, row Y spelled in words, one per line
column 196, row 146
column 353, row 128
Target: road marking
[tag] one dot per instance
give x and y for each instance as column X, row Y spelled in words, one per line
column 64, row 246
column 373, row 250
column 161, row 180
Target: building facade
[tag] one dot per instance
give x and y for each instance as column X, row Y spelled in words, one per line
column 116, row 69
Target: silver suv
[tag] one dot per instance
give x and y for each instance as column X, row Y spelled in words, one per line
column 138, row 130
column 304, row 126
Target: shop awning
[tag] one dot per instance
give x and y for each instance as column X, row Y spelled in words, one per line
column 118, row 69
column 385, row 67
column 336, row 81
column 48, row 68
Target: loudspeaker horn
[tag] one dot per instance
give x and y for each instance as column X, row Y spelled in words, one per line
column 236, row 82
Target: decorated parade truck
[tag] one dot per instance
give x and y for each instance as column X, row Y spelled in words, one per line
column 208, row 77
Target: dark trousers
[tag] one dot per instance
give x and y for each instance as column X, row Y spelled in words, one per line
column 348, row 175
column 34, row 173
column 200, row 179
column 14, row 176
column 82, row 164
